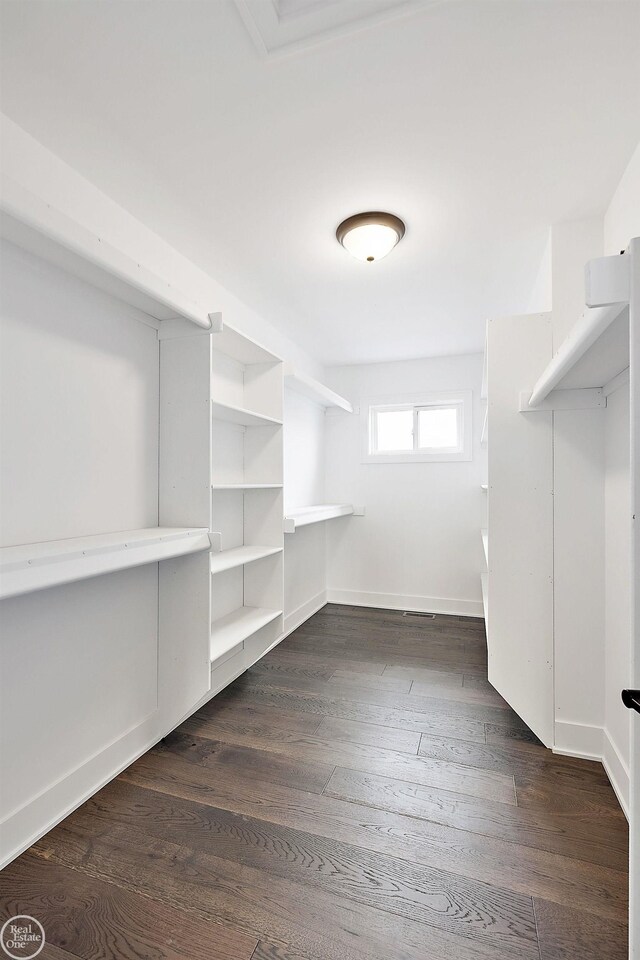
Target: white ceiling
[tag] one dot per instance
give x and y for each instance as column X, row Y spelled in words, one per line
column 479, row 123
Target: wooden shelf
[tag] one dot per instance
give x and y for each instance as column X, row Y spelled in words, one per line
column 248, row 418
column 303, row 516
column 595, row 351
column 246, row 486
column 241, row 348
column 485, row 544
column 314, row 390
column 238, row 556
column 48, row 233
column 36, row 566
column 229, row 631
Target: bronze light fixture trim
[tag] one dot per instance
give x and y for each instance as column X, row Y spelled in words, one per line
column 370, row 236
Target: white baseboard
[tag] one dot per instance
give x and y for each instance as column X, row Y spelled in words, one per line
column 581, row 740
column 307, row 609
column 398, row 601
column 594, row 743
column 617, row 771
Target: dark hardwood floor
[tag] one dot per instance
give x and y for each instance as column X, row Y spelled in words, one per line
column 362, row 793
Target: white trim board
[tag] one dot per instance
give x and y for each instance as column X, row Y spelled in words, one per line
column 589, row 742
column 302, row 613
column 398, row 601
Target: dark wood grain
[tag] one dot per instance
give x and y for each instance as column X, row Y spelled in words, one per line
column 465, row 853
column 358, row 756
column 89, row 917
column 566, row 934
column 351, row 797
column 582, row 837
column 462, row 728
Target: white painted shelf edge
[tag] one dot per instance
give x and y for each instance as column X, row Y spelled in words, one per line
column 484, row 486
column 229, row 631
column 246, row 486
column 248, row 418
column 238, row 556
column 49, row 233
column 484, row 436
column 36, row 566
column 485, row 544
column 303, row 516
column 314, row 390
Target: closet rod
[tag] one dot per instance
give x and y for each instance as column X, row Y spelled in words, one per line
column 591, row 325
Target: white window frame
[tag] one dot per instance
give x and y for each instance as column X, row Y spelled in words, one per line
column 461, row 399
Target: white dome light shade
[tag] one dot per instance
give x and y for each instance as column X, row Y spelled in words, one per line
column 370, row 236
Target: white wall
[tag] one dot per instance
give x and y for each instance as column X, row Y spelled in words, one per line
column 418, row 546
column 305, row 550
column 622, row 219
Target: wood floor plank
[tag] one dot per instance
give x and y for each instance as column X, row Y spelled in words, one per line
column 446, row 679
column 449, row 776
column 432, row 706
column 467, row 694
column 219, row 756
column 372, row 734
column 418, row 722
column 435, row 898
column 567, row 934
column 583, row 837
column 257, row 716
column 530, row 764
column 316, row 924
column 91, row 918
column 506, row 864
column 371, row 682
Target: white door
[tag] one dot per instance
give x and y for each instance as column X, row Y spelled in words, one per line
column 634, row 805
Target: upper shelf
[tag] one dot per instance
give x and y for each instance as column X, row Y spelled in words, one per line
column 241, row 348
column 36, row 226
column 302, row 516
column 596, row 349
column 314, row 390
column 35, row 566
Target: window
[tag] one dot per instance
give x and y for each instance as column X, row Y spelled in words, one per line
column 435, row 427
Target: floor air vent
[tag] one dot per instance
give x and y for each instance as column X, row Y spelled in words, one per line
column 428, row 616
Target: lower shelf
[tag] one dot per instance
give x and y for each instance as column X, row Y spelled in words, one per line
column 231, row 630
column 302, row 516
column 36, row 566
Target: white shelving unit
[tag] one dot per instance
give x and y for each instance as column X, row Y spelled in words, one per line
column 303, row 516
column 314, row 390
column 137, row 608
column 232, row 466
column 36, row 566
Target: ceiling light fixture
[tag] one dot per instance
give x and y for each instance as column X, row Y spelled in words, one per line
column 370, row 236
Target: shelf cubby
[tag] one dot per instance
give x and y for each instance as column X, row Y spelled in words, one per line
column 234, row 628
